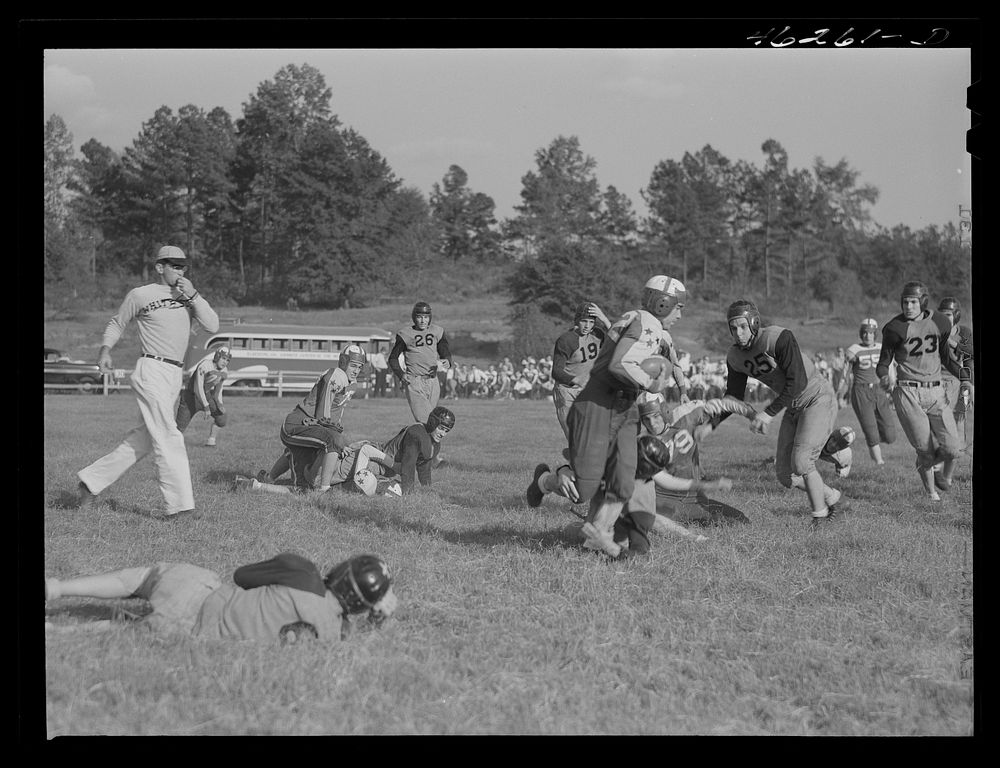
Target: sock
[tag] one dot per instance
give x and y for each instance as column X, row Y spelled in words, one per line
column 548, row 482
column 52, row 589
column 821, row 513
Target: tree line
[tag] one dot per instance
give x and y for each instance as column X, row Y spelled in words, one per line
column 286, row 202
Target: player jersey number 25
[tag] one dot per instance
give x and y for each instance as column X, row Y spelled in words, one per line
column 761, row 364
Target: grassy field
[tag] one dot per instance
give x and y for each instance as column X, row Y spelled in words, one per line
column 505, row 625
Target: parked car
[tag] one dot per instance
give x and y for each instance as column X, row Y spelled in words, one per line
column 61, row 369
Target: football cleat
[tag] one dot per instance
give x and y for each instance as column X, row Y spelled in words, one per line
column 599, row 540
column 534, row 494
column 941, row 482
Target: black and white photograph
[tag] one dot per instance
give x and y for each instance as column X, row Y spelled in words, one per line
column 403, row 379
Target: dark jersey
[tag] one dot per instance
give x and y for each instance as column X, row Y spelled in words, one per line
column 685, row 465
column 413, row 451
column 960, row 350
column 574, row 356
column 286, row 569
column 774, row 359
column 919, row 347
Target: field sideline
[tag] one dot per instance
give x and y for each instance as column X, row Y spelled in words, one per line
column 505, row 625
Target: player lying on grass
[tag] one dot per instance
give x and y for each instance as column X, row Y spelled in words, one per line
column 408, row 456
column 266, row 601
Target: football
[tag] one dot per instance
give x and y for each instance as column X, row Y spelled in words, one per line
column 653, row 365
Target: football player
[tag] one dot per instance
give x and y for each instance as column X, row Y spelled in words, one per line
column 917, row 340
column 961, row 350
column 868, row 399
column 603, row 420
column 408, row 456
column 685, row 427
column 193, row 600
column 771, row 355
column 316, row 424
column 573, row 357
column 203, row 392
column 425, row 349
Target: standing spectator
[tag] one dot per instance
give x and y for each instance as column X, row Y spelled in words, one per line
column 462, row 380
column 838, row 373
column 869, row 400
column 917, row 340
column 425, row 348
column 573, row 357
column 203, row 392
column 451, row 384
column 163, row 311
column 381, row 369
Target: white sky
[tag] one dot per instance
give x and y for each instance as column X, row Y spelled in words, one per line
column 896, row 115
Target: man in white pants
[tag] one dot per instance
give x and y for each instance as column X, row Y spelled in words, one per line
column 163, row 311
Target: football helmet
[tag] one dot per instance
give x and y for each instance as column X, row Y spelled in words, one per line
column 654, row 456
column 951, row 304
column 440, row 417
column 582, row 311
column 747, row 309
column 915, row 289
column 352, row 353
column 359, row 583
column 661, row 294
column 421, row 308
column 650, row 405
column 221, row 352
column 868, row 324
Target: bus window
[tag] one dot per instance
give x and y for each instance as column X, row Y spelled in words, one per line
column 321, row 345
column 261, row 344
column 281, row 344
column 300, row 345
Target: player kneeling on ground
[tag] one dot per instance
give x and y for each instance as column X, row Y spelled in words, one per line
column 267, row 600
column 405, row 458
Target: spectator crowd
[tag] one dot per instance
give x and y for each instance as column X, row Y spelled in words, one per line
column 532, row 379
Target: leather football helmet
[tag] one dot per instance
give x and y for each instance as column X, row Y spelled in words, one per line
column 747, row 309
column 654, row 456
column 440, row 417
column 661, row 294
column 868, row 324
column 915, row 289
column 221, row 352
column 582, row 311
column 951, row 304
column 421, row 308
column 352, row 353
column 359, row 583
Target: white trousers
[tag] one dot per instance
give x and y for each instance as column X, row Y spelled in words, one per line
column 157, row 386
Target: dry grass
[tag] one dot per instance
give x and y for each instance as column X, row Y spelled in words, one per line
column 505, row 625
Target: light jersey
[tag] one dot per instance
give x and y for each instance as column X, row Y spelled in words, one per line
column 164, row 322
column 918, row 346
column 421, row 351
column 330, row 392
column 574, row 356
column 863, row 361
column 632, row 338
column 206, row 380
column 760, row 363
column 232, row 613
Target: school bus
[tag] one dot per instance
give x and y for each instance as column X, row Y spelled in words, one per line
column 301, row 353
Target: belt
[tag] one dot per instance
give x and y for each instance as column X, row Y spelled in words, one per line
column 919, row 383
column 164, row 360
column 862, row 384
